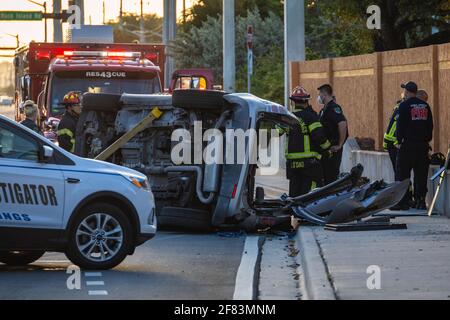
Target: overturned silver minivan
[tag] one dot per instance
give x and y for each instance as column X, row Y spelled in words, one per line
column 198, row 192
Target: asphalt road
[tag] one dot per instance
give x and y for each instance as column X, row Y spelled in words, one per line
column 171, row 266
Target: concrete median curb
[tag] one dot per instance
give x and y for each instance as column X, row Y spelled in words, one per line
column 315, row 282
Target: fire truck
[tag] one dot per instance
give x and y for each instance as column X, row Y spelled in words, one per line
column 45, row 72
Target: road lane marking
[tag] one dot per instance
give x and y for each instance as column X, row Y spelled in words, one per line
column 246, row 285
column 93, row 274
column 98, row 292
column 169, row 237
column 95, row 283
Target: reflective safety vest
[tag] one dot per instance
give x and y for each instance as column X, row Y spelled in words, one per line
column 308, row 140
column 390, row 137
column 66, row 132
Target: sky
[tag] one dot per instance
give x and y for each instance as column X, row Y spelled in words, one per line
column 34, row 30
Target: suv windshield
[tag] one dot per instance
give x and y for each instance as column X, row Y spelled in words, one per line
column 100, row 82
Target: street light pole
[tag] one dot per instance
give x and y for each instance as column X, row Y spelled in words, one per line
column 142, row 35
column 169, row 34
column 229, row 55
column 57, row 25
column 294, row 39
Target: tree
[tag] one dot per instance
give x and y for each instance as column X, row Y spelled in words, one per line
column 131, row 27
column 268, row 76
column 202, row 46
column 404, row 24
column 213, row 8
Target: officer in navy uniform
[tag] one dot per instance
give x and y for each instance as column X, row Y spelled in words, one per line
column 306, row 145
column 414, row 133
column 336, row 130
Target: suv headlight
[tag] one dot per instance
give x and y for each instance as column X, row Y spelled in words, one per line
column 139, row 182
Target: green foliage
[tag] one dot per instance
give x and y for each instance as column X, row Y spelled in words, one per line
column 131, row 25
column 338, row 28
column 202, row 46
column 268, row 76
column 203, row 9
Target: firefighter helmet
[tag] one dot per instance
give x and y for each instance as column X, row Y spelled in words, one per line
column 72, row 98
column 299, row 94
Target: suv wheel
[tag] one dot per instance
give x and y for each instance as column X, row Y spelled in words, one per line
column 20, row 258
column 100, row 237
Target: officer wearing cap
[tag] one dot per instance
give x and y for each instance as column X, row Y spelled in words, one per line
column 67, row 126
column 414, row 133
column 31, row 114
column 306, row 145
column 336, row 131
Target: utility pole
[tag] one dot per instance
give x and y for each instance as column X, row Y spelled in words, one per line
column 249, row 58
column 45, row 21
column 44, row 6
column 142, row 35
column 169, row 34
column 104, row 12
column 294, row 39
column 184, row 13
column 229, row 55
column 121, row 14
column 57, row 25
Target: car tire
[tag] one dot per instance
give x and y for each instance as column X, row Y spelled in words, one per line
column 170, row 218
column 199, row 99
column 89, row 247
column 20, row 258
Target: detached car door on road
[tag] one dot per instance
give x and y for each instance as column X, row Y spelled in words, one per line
column 31, row 191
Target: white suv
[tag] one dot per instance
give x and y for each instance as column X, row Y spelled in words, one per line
column 52, row 200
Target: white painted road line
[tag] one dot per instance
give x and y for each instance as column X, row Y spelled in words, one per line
column 95, row 283
column 246, row 286
column 93, row 274
column 98, row 292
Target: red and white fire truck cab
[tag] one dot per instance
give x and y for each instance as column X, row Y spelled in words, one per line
column 45, row 72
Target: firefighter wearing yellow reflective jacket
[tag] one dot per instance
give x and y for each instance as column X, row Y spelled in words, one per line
column 67, row 126
column 306, row 145
column 390, row 143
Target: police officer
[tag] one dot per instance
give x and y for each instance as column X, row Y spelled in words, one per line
column 414, row 133
column 306, row 145
column 336, row 131
column 31, row 114
column 67, row 126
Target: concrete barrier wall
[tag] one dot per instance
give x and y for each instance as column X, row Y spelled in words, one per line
column 368, row 86
column 377, row 166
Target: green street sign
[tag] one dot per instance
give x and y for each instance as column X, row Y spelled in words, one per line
column 21, row 15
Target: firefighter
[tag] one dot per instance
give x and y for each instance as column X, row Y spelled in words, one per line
column 306, row 145
column 414, row 133
column 67, row 126
column 336, row 130
column 31, row 114
column 390, row 143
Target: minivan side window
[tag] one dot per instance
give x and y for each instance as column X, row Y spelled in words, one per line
column 16, row 146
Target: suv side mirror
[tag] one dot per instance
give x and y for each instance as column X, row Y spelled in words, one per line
column 45, row 154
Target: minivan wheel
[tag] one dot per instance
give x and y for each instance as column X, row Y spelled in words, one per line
column 100, row 237
column 20, row 258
